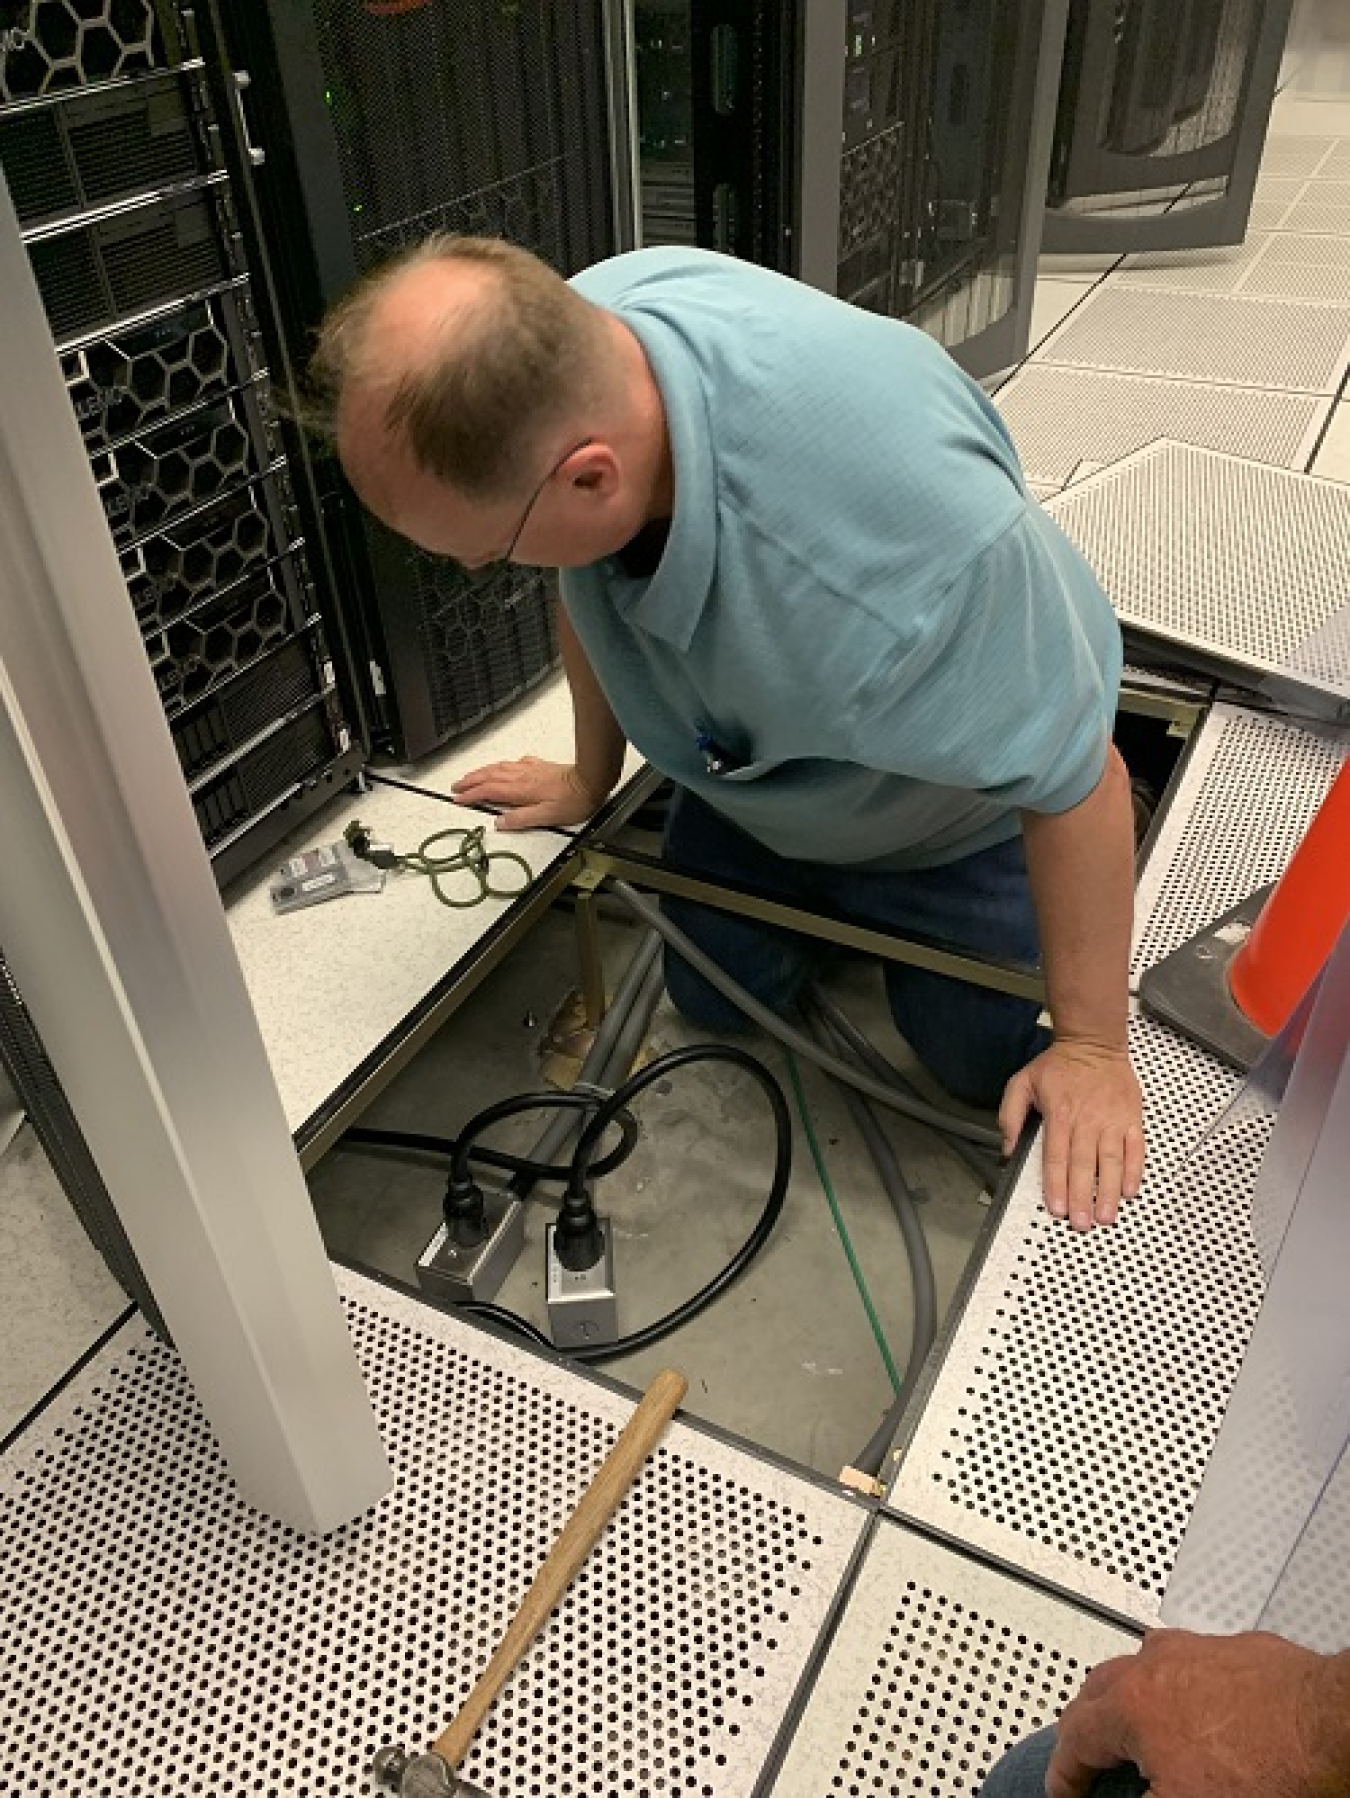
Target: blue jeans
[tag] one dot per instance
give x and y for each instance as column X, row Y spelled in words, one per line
column 1021, row 1773
column 971, row 1038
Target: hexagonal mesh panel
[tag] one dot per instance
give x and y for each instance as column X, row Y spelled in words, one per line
column 152, row 478
column 62, row 44
column 197, row 653
column 481, row 647
column 1249, row 791
column 1168, row 532
column 164, row 1634
column 170, row 571
column 1069, row 1428
column 938, row 1666
column 125, row 381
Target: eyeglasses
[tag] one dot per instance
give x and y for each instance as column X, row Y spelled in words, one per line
column 487, row 572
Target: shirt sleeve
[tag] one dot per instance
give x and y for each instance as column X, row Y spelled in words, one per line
column 1011, row 688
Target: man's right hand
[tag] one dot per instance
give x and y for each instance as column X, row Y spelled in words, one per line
column 1248, row 1716
column 530, row 793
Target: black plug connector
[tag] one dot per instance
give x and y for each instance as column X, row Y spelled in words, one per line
column 465, row 1212
column 359, row 840
column 578, row 1239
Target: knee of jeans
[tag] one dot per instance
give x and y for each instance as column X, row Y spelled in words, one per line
column 971, row 1051
column 699, row 1003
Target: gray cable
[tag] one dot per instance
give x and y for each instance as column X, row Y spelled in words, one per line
column 603, row 1052
column 924, row 1333
column 849, row 1035
column 629, row 1039
column 796, row 1039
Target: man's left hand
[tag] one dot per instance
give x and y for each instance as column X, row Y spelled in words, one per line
column 1093, row 1116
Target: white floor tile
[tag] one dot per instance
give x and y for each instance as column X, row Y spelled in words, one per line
column 1295, row 114
column 1333, row 457
column 1074, row 265
column 1052, row 303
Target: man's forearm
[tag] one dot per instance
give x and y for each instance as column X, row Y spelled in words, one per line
column 1081, row 864
column 600, row 743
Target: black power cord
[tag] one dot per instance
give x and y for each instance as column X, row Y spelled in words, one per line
column 501, row 1159
column 463, row 1150
column 773, row 1205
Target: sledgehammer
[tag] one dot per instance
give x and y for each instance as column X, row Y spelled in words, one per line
column 435, row 1774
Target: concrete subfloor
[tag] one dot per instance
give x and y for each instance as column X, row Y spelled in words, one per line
column 787, row 1358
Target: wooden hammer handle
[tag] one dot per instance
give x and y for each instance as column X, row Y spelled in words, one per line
column 598, row 1504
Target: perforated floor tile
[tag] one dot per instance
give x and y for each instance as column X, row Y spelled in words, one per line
column 1300, row 156
column 1271, row 202
column 1061, row 416
column 1322, row 206
column 1248, row 793
column 1170, row 533
column 938, row 1667
column 1281, row 265
column 1068, row 1430
column 1206, row 337
column 161, row 1638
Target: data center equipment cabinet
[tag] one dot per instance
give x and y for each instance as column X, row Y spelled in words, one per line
column 112, row 149
column 894, row 152
column 382, row 121
column 1162, row 115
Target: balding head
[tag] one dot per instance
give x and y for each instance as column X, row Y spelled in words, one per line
column 466, row 354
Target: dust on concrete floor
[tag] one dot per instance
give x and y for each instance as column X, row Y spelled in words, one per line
column 786, row 1358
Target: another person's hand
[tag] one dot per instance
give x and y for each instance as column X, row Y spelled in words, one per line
column 1093, row 1128
column 1248, row 1716
column 531, row 793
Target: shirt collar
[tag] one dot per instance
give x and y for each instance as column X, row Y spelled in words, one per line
column 671, row 603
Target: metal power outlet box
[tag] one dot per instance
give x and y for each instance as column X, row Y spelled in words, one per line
column 582, row 1306
column 455, row 1274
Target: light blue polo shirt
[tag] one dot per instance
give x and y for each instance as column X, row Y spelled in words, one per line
column 857, row 602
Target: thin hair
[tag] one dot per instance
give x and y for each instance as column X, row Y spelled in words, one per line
column 505, row 369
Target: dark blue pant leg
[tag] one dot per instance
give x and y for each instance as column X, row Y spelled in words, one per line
column 771, row 964
column 971, row 1038
column 1021, row 1773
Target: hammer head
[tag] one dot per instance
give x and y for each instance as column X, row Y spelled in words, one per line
column 421, row 1776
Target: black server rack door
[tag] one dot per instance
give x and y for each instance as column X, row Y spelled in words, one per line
column 931, row 151
column 1161, row 114
column 394, row 119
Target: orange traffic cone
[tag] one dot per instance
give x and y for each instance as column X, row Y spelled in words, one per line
column 1300, row 921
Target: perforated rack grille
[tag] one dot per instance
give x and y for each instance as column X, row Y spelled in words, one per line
column 1168, row 531
column 1247, row 796
column 161, row 1638
column 1069, row 1428
column 1207, row 337
column 1062, row 416
column 938, row 1666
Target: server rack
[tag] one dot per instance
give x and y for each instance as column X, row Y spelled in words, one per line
column 890, row 152
column 382, row 123
column 113, row 155
column 1162, row 113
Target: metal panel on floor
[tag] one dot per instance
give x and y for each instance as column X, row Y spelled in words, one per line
column 1172, row 533
column 1060, row 417
column 938, row 1666
column 1068, row 1428
column 1303, row 348
column 1249, row 790
column 169, row 1640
